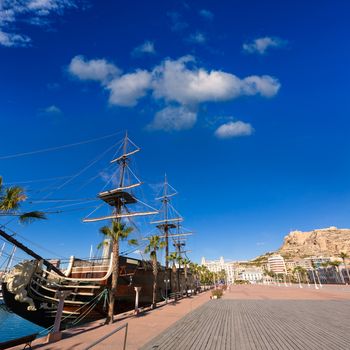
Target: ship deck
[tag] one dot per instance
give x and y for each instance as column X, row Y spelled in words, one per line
column 247, row 318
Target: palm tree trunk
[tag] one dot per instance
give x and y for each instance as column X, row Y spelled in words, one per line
column 186, row 286
column 347, row 271
column 115, row 274
column 155, row 274
column 340, row 275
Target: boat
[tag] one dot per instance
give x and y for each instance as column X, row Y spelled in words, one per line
column 32, row 288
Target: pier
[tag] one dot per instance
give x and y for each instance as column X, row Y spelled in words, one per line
column 248, row 317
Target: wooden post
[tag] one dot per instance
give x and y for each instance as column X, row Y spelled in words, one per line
column 56, row 335
column 137, row 290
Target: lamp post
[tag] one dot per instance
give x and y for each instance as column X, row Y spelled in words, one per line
column 166, row 281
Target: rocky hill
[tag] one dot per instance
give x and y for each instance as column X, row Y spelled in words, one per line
column 322, row 242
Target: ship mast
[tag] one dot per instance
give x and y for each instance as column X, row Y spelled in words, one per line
column 168, row 222
column 121, row 197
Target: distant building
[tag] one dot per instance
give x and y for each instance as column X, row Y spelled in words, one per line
column 276, row 264
column 252, row 275
column 218, row 265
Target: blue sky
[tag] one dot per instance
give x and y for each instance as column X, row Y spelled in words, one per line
column 243, row 104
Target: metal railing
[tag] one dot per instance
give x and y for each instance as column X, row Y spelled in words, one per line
column 109, row 334
column 176, row 295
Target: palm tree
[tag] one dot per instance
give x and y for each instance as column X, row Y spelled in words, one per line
column 336, row 264
column 325, row 265
column 303, row 273
column 116, row 233
column 173, row 258
column 186, row 262
column 195, row 269
column 154, row 244
column 297, row 270
column 11, row 199
column 345, row 256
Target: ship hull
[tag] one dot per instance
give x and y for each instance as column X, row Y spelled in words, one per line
column 88, row 301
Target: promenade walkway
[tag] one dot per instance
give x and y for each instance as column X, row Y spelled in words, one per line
column 247, row 318
column 264, row 318
column 142, row 328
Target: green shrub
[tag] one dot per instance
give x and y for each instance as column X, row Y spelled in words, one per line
column 217, row 292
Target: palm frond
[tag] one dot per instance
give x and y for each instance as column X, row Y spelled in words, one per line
column 106, row 231
column 12, row 198
column 31, row 216
column 102, row 244
column 133, row 242
column 125, row 232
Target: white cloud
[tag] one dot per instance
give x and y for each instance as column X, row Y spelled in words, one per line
column 35, row 12
column 264, row 85
column 173, row 119
column 233, row 129
column 197, row 38
column 174, row 81
column 206, row 14
column 261, row 45
column 146, row 48
column 96, row 69
column 52, row 110
column 126, row 90
column 10, row 39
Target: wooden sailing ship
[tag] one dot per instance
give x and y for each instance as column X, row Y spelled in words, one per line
column 30, row 288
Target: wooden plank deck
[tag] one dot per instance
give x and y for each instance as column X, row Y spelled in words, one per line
column 260, row 325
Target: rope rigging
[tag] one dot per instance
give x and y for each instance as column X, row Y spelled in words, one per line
column 50, row 149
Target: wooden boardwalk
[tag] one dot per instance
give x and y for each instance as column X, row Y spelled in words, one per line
column 260, row 325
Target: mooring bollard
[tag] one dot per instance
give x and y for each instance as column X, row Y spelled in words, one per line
column 56, row 335
column 137, row 290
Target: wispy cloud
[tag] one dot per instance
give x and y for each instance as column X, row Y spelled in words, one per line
column 34, row 12
column 96, row 69
column 147, row 48
column 177, row 23
column 197, row 38
column 206, row 14
column 261, row 45
column 233, row 129
column 173, row 119
column 51, row 110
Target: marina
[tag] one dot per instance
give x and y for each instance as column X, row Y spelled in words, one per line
column 174, row 175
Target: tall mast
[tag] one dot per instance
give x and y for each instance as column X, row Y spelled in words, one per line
column 168, row 222
column 119, row 198
column 166, row 227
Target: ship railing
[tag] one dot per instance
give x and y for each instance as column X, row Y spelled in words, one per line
column 96, row 342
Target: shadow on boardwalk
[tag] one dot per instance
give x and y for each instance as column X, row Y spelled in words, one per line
column 259, row 325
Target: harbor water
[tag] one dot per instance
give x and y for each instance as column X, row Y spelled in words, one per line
column 13, row 326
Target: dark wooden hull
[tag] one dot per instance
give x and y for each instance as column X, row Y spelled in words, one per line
column 88, row 301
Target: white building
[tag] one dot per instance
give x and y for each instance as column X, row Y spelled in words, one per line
column 218, row 265
column 252, row 275
column 276, row 264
